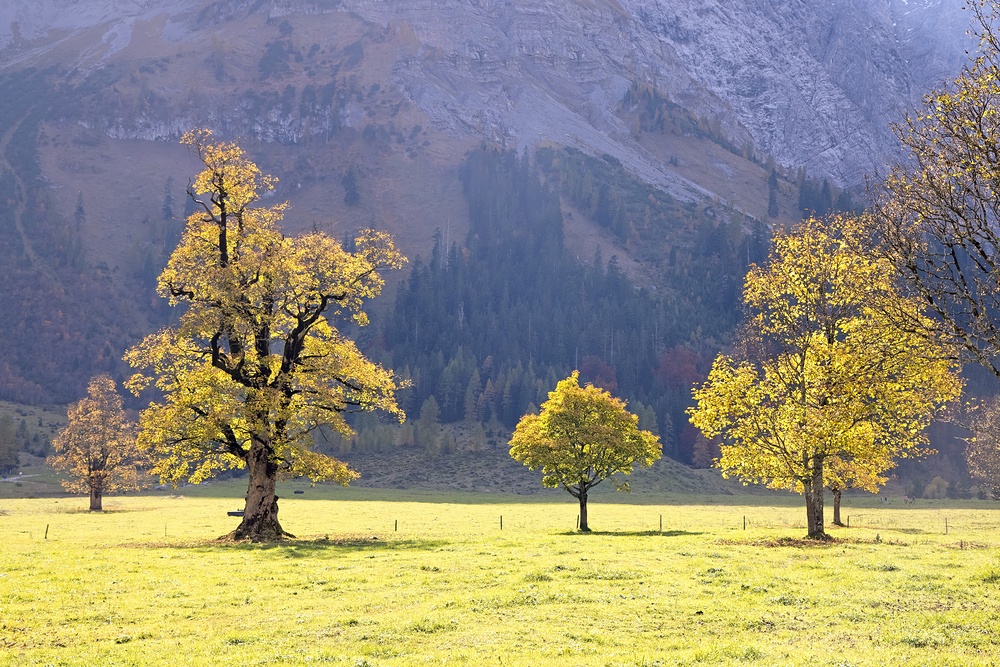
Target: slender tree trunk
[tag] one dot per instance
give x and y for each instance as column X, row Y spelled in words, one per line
column 813, row 493
column 836, row 508
column 584, row 528
column 260, row 516
column 96, row 498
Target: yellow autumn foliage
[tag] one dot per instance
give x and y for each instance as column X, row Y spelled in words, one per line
column 936, row 213
column 255, row 361
column 97, row 448
column 582, row 436
column 835, row 380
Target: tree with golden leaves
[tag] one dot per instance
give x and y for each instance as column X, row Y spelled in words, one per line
column 937, row 214
column 582, row 436
column 842, row 474
column 256, row 362
column 98, row 446
column 836, row 380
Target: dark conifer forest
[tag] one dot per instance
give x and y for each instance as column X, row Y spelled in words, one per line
column 488, row 326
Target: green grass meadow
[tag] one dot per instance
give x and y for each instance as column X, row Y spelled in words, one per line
column 405, row 578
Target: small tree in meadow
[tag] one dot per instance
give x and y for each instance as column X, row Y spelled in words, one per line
column 97, row 447
column 845, row 473
column 582, row 436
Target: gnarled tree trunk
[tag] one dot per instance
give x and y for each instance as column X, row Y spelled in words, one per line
column 584, row 528
column 260, row 516
column 813, row 493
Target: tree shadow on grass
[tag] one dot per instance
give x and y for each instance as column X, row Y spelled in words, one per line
column 105, row 511
column 805, row 542
column 302, row 547
column 632, row 533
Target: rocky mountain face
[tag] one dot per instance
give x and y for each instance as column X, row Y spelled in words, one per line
column 365, row 109
column 814, row 84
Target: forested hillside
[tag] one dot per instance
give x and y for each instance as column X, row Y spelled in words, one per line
column 487, row 327
column 62, row 318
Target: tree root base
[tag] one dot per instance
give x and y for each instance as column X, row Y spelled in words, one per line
column 268, row 538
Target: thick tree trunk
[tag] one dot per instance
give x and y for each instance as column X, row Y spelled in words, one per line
column 260, row 516
column 584, row 528
column 96, row 498
column 813, row 493
column 836, row 508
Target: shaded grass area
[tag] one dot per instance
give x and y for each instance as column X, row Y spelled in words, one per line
column 415, row 580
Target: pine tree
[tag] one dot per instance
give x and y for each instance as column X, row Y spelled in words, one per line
column 79, row 214
column 8, row 445
column 168, row 199
column 428, row 427
column 772, row 194
column 471, row 409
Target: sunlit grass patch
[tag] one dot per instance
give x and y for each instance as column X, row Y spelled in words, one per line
column 417, row 579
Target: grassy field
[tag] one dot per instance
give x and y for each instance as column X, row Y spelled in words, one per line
column 405, row 578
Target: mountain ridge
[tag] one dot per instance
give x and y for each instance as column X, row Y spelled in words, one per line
column 814, row 86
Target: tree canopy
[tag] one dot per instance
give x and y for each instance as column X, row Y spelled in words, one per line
column 256, row 363
column 493, row 319
column 938, row 213
column 828, row 376
column 983, row 445
column 98, row 445
column 582, row 436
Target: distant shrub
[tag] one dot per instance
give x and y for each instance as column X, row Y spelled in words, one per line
column 274, row 62
column 938, row 488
